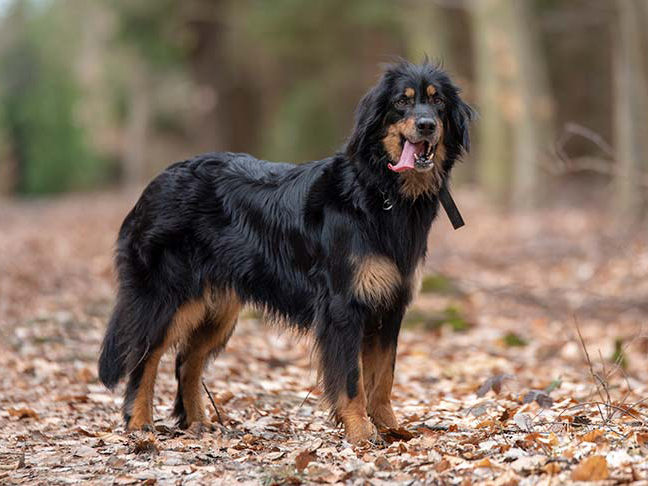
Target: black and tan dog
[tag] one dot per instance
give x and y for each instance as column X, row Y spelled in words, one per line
column 330, row 247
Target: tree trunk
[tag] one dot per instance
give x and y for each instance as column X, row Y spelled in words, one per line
column 516, row 108
column 493, row 59
column 533, row 132
column 631, row 104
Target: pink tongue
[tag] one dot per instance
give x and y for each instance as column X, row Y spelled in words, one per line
column 406, row 161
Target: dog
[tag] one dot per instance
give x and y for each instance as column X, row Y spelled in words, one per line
column 330, row 247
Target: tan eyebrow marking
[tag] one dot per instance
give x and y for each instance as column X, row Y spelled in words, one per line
column 409, row 92
column 430, row 90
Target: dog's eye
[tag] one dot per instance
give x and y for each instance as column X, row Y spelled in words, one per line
column 402, row 102
column 438, row 102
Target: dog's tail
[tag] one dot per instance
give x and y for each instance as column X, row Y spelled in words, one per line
column 114, row 349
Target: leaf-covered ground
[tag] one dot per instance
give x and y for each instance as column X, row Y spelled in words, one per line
column 493, row 384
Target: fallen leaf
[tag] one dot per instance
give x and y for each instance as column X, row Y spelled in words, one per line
column 493, row 383
column 395, row 435
column 594, row 468
column 383, row 463
column 542, row 399
column 524, row 421
column 484, row 463
column 443, row 465
column 145, row 445
column 303, row 458
column 596, row 436
column 552, row 468
column 506, row 415
column 23, row 413
column 485, row 424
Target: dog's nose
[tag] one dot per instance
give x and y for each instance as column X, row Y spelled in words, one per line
column 425, row 125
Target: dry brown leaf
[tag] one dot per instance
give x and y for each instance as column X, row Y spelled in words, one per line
column 485, row 463
column 383, row 463
column 493, row 383
column 596, row 436
column 642, row 438
column 443, row 465
column 303, row 458
column 145, row 445
column 23, row 413
column 485, row 424
column 395, row 435
column 593, row 468
column 552, row 468
column 506, row 415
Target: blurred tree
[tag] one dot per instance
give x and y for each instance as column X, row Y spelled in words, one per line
column 314, row 60
column 631, row 104
column 493, row 64
column 38, row 98
column 533, row 128
column 514, row 100
column 152, row 30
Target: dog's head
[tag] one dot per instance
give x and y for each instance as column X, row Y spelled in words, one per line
column 414, row 123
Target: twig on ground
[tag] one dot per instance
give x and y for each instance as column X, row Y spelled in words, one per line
column 598, row 382
column 213, row 402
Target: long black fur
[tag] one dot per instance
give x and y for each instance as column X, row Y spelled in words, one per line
column 281, row 236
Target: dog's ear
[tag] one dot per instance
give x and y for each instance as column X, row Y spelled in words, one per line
column 369, row 116
column 460, row 118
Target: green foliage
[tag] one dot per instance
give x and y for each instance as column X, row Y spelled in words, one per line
column 554, row 385
column 298, row 126
column 154, row 28
column 619, row 357
column 38, row 98
column 438, row 284
column 512, row 340
column 451, row 316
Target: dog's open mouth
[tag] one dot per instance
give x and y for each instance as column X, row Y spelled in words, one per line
column 417, row 155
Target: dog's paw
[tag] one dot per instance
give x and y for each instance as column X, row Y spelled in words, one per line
column 138, row 425
column 360, row 430
column 384, row 417
column 200, row 426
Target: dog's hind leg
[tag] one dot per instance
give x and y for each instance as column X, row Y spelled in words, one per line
column 208, row 339
column 138, row 401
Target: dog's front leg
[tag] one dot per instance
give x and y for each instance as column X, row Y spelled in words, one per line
column 339, row 342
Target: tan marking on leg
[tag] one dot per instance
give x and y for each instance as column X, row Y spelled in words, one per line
column 142, row 409
column 378, row 364
column 430, row 90
column 376, row 279
column 409, row 92
column 213, row 335
column 353, row 414
column 392, row 141
column 416, row 183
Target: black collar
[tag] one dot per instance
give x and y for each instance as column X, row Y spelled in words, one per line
column 450, row 208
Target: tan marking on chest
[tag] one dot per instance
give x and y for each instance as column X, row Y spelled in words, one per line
column 376, row 279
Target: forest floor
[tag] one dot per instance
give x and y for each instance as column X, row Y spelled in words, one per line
column 493, row 384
